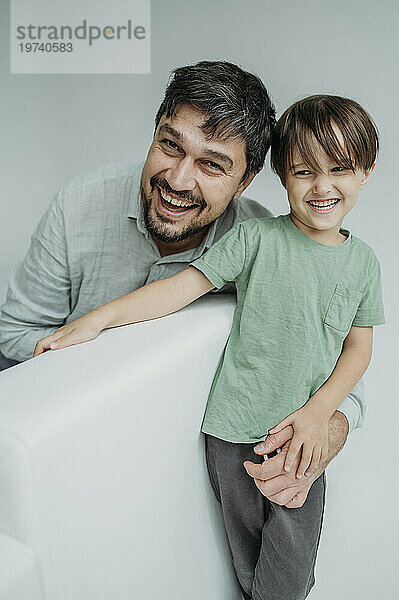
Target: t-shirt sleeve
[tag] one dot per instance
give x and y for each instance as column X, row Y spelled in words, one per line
column 225, row 260
column 371, row 308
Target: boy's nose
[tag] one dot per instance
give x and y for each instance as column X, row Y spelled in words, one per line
column 180, row 176
column 322, row 185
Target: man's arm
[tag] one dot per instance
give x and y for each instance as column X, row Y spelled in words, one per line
column 38, row 296
column 284, row 488
column 354, row 407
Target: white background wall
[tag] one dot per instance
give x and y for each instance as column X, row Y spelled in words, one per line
column 57, row 126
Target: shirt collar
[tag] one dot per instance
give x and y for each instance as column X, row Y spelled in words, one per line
column 135, row 209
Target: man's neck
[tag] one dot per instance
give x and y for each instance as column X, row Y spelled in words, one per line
column 166, row 249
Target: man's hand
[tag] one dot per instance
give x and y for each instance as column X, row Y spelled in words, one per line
column 276, row 484
column 281, row 487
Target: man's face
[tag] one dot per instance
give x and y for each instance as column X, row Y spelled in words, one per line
column 187, row 180
column 320, row 200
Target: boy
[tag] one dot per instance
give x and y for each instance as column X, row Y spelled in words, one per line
column 308, row 295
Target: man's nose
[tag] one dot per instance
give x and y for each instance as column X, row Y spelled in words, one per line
column 322, row 185
column 180, row 176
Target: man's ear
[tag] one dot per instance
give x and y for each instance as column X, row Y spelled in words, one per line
column 366, row 176
column 245, row 183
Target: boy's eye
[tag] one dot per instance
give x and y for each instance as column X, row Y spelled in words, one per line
column 338, row 169
column 302, row 172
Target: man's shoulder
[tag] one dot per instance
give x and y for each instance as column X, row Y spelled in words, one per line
column 242, row 210
column 245, row 208
column 101, row 174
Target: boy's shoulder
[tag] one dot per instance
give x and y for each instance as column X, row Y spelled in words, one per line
column 363, row 249
column 263, row 225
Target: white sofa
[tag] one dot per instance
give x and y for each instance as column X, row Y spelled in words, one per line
column 104, row 491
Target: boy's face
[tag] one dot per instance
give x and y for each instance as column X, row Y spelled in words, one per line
column 320, row 200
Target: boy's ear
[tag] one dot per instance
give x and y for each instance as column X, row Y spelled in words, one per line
column 245, row 183
column 366, row 176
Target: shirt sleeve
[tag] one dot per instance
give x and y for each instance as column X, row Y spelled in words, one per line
column 225, row 260
column 354, row 407
column 38, row 295
column 371, row 308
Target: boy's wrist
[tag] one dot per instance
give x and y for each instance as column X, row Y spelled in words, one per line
column 321, row 406
column 101, row 317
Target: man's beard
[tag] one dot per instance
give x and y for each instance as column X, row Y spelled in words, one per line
column 160, row 227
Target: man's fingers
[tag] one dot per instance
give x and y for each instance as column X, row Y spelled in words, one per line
column 274, row 441
column 284, row 423
column 298, row 500
column 254, row 470
column 283, row 497
column 271, row 487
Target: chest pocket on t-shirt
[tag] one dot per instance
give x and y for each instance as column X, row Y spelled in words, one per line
column 342, row 308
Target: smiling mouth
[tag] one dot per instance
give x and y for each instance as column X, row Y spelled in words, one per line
column 323, row 206
column 174, row 205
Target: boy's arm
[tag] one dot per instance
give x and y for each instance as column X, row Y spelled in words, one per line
column 351, row 365
column 155, row 300
column 311, row 421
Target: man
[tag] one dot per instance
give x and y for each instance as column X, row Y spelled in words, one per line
column 123, row 226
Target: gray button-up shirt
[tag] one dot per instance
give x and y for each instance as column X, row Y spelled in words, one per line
column 92, row 246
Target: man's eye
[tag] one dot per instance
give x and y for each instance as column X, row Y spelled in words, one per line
column 212, row 165
column 170, row 144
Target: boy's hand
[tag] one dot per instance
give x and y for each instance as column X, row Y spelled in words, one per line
column 310, row 435
column 274, row 441
column 81, row 330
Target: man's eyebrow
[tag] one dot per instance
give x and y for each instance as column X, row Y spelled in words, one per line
column 219, row 156
column 172, row 131
column 178, row 136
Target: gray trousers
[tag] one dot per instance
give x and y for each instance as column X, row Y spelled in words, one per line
column 6, row 363
column 273, row 548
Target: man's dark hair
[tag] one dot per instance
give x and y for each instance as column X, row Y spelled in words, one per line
column 342, row 127
column 236, row 104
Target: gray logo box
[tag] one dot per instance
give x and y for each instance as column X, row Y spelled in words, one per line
column 80, row 36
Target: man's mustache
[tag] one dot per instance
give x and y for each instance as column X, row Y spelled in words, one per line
column 182, row 194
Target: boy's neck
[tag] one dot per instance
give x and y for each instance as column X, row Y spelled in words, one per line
column 330, row 237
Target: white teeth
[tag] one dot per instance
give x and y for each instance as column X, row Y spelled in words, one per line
column 175, row 202
column 323, row 204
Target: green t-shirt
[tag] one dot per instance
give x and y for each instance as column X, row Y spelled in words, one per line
column 296, row 302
